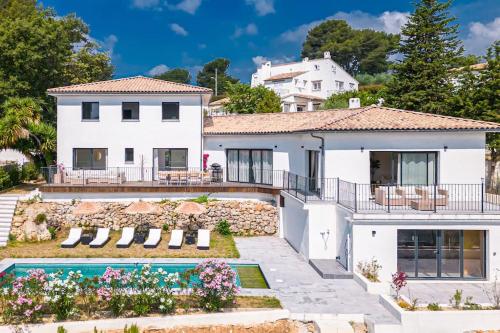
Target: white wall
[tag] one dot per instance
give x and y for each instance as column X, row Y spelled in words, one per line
column 116, row 135
column 12, row 155
column 322, row 230
column 296, row 224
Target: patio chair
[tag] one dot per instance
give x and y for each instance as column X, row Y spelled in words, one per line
column 176, row 239
column 101, row 238
column 73, row 238
column 409, row 193
column 154, row 238
column 127, row 238
column 203, row 239
column 432, row 196
column 195, row 178
column 393, row 199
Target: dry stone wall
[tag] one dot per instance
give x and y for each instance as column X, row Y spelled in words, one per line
column 244, row 217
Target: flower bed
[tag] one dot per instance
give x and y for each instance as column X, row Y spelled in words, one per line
column 55, row 297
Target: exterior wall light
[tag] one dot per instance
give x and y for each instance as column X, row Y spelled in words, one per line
column 275, row 146
column 445, row 148
column 374, row 233
column 362, row 149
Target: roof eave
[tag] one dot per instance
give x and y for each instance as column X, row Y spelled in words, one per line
column 77, row 93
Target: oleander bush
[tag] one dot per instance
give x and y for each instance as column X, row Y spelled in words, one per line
column 210, row 287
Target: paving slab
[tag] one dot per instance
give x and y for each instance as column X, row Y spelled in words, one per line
column 301, row 289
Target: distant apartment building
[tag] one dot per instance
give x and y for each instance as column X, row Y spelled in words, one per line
column 304, row 85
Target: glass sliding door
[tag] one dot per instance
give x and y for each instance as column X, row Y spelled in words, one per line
column 418, row 168
column 167, row 159
column 250, row 166
column 90, row 158
column 445, row 254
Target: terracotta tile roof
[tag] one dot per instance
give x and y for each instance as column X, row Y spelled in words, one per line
column 370, row 118
column 284, row 76
column 475, row 67
column 130, row 85
column 222, row 101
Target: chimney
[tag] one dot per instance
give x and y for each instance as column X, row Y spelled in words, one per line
column 354, row 103
column 327, row 55
column 306, row 59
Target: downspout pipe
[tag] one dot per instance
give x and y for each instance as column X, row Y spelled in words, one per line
column 322, row 162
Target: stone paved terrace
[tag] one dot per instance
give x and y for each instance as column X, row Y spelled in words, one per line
column 440, row 292
column 301, row 290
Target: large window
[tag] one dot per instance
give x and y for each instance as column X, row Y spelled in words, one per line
column 170, row 158
column 444, row 254
column 90, row 111
column 90, row 158
column 250, row 165
column 130, row 111
column 170, row 111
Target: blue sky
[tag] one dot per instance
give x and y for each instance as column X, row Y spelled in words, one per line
column 149, row 36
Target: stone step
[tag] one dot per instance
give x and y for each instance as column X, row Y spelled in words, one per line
column 333, row 326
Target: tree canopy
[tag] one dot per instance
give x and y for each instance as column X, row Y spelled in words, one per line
column 206, row 77
column 357, row 51
column 179, row 75
column 245, row 99
column 368, row 95
column 430, row 49
column 41, row 50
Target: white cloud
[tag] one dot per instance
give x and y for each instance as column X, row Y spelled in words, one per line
column 108, row 44
column 481, row 36
column 142, row 4
column 178, row 29
column 260, row 60
column 189, row 6
column 202, row 46
column 262, row 7
column 157, row 70
column 390, row 22
column 250, row 30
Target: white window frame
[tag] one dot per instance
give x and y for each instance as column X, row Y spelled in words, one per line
column 316, row 85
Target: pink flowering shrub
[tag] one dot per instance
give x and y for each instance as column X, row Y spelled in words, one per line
column 217, row 284
column 398, row 282
column 25, row 297
column 113, row 291
column 61, row 293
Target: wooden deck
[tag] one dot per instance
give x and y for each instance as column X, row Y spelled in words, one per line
column 154, row 187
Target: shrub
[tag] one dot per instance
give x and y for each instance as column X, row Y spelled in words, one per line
column 456, row 299
column 12, row 237
column 370, row 269
column 5, row 181
column 133, row 329
column 40, row 218
column 470, row 305
column 61, row 329
column 14, row 173
column 165, row 227
column 223, row 228
column 398, row 282
column 61, row 293
column 434, row 307
column 52, row 232
column 201, row 199
column 216, row 287
column 112, row 292
column 29, row 171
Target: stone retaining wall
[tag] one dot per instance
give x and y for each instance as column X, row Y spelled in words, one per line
column 244, row 217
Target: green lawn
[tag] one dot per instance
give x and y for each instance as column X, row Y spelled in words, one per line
column 251, row 277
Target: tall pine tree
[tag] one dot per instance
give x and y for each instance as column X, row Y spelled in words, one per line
column 430, row 48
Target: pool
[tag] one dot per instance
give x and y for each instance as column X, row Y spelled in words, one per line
column 91, row 270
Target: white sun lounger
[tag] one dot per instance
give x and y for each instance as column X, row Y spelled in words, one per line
column 101, row 238
column 73, row 238
column 154, row 238
column 176, row 239
column 203, row 239
column 127, row 237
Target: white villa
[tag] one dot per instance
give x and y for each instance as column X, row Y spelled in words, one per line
column 304, row 85
column 404, row 187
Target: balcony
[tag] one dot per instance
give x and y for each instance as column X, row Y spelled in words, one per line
column 404, row 199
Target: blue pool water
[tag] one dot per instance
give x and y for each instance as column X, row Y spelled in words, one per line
column 91, row 270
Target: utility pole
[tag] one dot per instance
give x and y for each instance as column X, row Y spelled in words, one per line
column 216, row 81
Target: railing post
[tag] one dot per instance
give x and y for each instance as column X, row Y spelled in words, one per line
column 355, row 197
column 296, row 185
column 435, row 197
column 338, row 190
column 388, row 198
column 482, row 195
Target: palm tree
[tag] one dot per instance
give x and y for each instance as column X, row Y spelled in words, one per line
column 21, row 128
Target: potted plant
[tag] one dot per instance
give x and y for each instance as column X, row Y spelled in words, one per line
column 141, row 232
column 88, row 234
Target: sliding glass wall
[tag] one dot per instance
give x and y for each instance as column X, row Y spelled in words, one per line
column 444, row 254
column 250, row 166
column 403, row 168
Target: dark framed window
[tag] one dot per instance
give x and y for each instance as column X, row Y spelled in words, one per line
column 170, row 111
column 130, row 111
column 90, row 111
column 442, row 254
column 250, row 166
column 90, row 158
column 171, row 158
column 129, row 155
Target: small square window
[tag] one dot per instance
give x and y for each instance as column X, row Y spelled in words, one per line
column 129, row 155
column 90, row 111
column 130, row 111
column 316, row 85
column 170, row 111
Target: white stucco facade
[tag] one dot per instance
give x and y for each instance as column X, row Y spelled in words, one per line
column 115, row 134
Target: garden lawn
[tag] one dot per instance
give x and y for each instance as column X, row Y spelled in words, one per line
column 220, row 247
column 251, row 277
